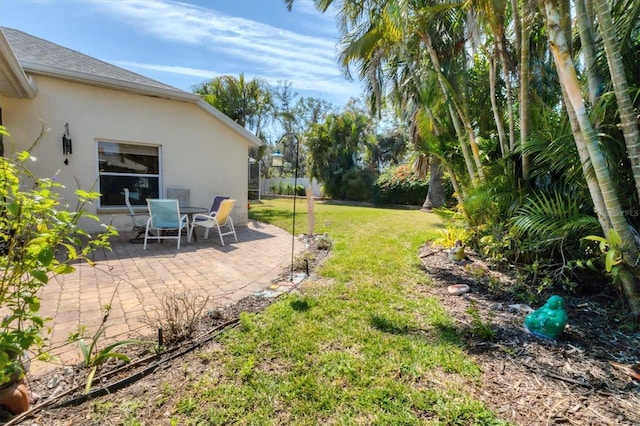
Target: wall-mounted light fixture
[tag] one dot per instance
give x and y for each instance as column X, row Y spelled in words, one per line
column 66, row 144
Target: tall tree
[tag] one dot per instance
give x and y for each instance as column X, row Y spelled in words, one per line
column 569, row 81
column 336, row 148
column 628, row 116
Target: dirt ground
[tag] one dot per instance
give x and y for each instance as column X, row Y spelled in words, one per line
column 577, row 379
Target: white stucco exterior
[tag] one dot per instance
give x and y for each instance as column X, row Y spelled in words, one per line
column 198, row 151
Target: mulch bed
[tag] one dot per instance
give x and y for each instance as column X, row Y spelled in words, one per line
column 576, row 379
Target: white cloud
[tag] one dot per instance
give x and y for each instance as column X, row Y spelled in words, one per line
column 266, row 47
column 277, row 54
column 194, row 72
column 335, row 86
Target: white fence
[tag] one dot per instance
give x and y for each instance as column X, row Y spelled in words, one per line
column 267, row 184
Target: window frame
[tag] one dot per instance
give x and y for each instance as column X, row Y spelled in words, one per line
column 100, row 173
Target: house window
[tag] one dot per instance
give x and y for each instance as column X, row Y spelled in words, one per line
column 123, row 165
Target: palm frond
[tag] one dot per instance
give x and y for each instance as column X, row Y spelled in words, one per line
column 551, row 218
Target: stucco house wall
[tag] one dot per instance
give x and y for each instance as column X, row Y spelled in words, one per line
column 43, row 84
column 197, row 152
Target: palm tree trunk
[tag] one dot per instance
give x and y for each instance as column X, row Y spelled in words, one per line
column 569, row 81
column 587, row 42
column 625, row 107
column 454, row 182
column 455, row 118
column 525, row 100
column 494, row 106
column 435, row 194
column 461, row 115
column 517, row 24
column 504, row 60
column 592, row 183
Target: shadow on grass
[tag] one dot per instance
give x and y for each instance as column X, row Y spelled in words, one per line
column 443, row 332
column 300, row 305
column 274, row 216
column 389, row 326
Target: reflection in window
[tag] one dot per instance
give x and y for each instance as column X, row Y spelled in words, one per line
column 122, row 165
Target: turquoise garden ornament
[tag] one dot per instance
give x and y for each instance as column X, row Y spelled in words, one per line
column 549, row 320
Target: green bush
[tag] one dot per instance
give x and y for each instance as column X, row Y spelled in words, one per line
column 400, row 185
column 282, row 188
column 357, row 185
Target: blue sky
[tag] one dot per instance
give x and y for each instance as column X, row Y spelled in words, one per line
column 183, row 43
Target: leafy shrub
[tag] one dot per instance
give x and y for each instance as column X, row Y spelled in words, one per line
column 282, row 188
column 357, row 185
column 40, row 237
column 400, row 185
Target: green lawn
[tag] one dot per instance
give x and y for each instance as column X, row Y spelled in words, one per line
column 362, row 346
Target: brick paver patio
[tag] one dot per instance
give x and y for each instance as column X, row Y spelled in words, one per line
column 133, row 281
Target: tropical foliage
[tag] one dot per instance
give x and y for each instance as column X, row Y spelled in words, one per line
column 531, row 114
column 339, row 152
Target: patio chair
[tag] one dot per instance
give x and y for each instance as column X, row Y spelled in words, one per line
column 217, row 200
column 221, row 219
column 165, row 219
column 139, row 220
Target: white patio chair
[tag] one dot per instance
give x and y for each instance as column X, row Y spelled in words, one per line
column 217, row 200
column 221, row 219
column 165, row 219
column 139, row 220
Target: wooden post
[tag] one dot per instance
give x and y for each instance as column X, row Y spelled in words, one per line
column 310, row 217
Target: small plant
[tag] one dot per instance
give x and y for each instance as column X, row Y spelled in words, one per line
column 478, row 272
column 302, row 262
column 178, row 315
column 247, row 368
column 93, row 357
column 323, row 242
column 130, row 410
column 166, row 391
column 480, row 328
column 611, row 248
column 100, row 411
column 452, row 234
column 494, row 284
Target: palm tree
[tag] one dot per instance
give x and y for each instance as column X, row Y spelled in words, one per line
column 335, row 149
column 248, row 103
column 525, row 71
column 377, row 35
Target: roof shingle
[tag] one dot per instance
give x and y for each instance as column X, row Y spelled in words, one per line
column 34, row 52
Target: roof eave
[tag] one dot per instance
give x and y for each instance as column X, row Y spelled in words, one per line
column 22, row 85
column 106, row 82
